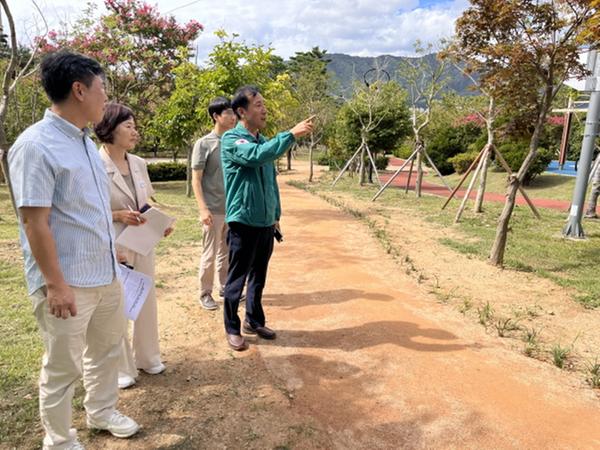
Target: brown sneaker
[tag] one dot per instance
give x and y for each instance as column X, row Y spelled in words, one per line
column 237, row 342
column 591, row 214
column 263, row 332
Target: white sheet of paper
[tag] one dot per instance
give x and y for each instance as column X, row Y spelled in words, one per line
column 136, row 287
column 143, row 238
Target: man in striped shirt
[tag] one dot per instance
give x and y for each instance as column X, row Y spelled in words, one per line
column 62, row 193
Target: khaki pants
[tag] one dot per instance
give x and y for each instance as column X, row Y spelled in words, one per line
column 88, row 343
column 144, row 352
column 214, row 253
column 593, row 201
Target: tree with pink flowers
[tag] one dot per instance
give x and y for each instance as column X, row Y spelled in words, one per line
column 138, row 47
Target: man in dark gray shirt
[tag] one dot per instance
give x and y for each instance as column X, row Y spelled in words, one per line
column 207, row 182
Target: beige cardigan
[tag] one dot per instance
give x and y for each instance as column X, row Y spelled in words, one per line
column 120, row 194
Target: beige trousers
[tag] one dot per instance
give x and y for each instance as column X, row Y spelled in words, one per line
column 144, row 351
column 214, row 253
column 88, row 343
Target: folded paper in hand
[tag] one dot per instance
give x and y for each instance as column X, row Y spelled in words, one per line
column 143, row 238
column 136, row 287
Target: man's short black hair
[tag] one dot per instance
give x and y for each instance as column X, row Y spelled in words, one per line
column 217, row 106
column 242, row 96
column 114, row 115
column 61, row 69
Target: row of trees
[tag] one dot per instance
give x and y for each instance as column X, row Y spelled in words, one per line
column 517, row 52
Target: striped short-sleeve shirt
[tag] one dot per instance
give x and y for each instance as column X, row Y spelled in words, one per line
column 54, row 164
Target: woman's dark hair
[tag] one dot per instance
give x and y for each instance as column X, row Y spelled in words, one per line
column 59, row 70
column 114, row 114
column 242, row 97
column 217, row 106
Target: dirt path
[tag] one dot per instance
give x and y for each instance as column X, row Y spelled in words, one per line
column 364, row 359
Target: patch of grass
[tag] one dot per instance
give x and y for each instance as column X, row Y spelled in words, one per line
column 532, row 341
column 560, row 355
column 589, row 301
column 467, row 304
column 461, row 247
column 485, row 313
column 172, row 200
column 20, row 353
column 505, row 325
column 593, row 369
column 551, row 186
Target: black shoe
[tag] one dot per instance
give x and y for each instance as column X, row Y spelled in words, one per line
column 263, row 332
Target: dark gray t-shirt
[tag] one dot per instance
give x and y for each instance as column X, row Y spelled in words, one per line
column 206, row 156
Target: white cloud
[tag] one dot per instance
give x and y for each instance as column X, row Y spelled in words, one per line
column 358, row 27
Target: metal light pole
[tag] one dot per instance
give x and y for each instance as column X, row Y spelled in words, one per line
column 573, row 228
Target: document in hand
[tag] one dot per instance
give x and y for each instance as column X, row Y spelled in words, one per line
column 136, row 287
column 143, row 238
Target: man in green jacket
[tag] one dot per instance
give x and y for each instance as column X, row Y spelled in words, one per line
column 252, row 210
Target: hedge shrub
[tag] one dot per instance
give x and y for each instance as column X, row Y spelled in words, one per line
column 381, row 162
column 462, row 161
column 449, row 142
column 167, row 171
column 514, row 153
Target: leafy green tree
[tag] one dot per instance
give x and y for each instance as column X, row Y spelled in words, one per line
column 231, row 64
column 312, row 86
column 377, row 114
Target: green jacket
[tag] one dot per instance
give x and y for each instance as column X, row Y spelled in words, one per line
column 251, row 192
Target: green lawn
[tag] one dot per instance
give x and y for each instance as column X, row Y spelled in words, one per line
column 20, row 349
column 533, row 245
column 546, row 185
column 20, row 345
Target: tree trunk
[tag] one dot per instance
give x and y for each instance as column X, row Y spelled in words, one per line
column 4, row 167
column 361, row 167
column 419, row 179
column 310, row 162
column 188, row 177
column 497, row 253
column 4, row 172
column 482, row 181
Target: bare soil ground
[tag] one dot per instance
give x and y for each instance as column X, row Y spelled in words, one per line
column 366, row 357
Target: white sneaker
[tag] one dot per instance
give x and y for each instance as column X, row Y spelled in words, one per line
column 125, row 381
column 76, row 446
column 118, row 425
column 156, row 369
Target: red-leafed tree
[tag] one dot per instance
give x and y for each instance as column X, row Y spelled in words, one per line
column 137, row 46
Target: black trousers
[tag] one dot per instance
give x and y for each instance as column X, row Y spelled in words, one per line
column 250, row 249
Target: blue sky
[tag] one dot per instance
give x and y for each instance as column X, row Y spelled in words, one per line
column 357, row 27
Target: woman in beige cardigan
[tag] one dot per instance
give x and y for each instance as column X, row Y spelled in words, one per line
column 131, row 190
